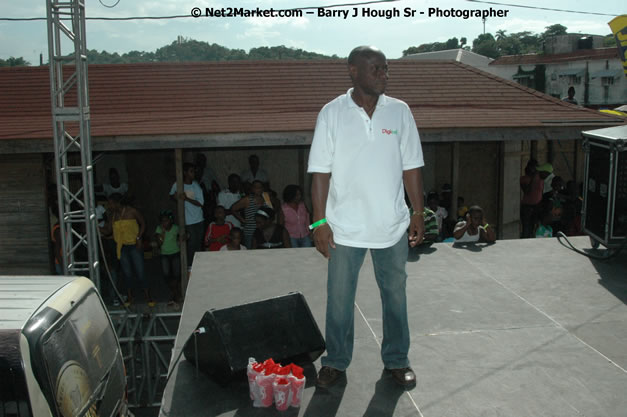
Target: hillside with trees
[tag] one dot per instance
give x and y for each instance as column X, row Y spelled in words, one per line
column 14, row 62
column 185, row 50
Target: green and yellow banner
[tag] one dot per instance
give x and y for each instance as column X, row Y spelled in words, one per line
column 619, row 29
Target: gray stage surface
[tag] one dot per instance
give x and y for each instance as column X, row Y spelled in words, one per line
column 518, row 328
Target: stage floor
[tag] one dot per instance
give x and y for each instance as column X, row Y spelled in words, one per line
column 518, row 328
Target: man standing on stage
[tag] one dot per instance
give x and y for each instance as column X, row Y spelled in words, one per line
column 365, row 148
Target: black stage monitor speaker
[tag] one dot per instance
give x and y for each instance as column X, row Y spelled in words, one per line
column 605, row 188
column 281, row 328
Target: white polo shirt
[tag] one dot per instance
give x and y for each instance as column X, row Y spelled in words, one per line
column 366, row 158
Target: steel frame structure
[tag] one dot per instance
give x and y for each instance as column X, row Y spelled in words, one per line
column 69, row 94
column 147, row 341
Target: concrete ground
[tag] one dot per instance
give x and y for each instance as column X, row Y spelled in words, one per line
column 518, row 328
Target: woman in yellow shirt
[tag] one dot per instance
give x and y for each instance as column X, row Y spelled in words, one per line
column 128, row 227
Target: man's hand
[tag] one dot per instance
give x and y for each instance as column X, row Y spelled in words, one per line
column 416, row 230
column 139, row 243
column 323, row 238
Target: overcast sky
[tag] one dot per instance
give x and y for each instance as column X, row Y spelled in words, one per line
column 327, row 35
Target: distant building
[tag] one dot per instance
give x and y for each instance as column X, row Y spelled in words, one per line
column 596, row 73
column 460, row 55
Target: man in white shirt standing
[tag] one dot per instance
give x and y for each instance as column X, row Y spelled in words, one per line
column 194, row 220
column 254, row 172
column 365, row 149
column 114, row 185
column 230, row 196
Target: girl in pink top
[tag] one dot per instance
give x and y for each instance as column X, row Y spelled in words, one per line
column 295, row 217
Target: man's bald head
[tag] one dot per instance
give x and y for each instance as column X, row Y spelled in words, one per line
column 362, row 52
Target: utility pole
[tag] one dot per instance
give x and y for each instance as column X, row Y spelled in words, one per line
column 69, row 95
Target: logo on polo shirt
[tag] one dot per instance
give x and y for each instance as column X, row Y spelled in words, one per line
column 389, row 132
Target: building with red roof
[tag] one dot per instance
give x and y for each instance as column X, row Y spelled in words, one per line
column 477, row 129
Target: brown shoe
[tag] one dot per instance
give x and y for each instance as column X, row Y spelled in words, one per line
column 403, row 376
column 328, row 376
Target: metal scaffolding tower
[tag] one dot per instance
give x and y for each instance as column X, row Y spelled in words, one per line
column 146, row 339
column 71, row 125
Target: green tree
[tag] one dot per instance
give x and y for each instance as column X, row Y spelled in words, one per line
column 485, row 45
column 452, row 43
column 185, row 50
column 509, row 45
column 104, row 57
column 529, row 42
column 554, row 30
column 191, row 50
column 513, row 44
column 282, row 52
column 14, row 62
column 609, row 41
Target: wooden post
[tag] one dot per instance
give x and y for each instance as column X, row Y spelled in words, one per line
column 301, row 168
column 180, row 208
column 454, row 180
column 500, row 194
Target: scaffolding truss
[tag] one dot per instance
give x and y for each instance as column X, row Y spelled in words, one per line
column 72, row 140
column 147, row 341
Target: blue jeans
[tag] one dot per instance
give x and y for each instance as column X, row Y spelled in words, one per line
column 132, row 263
column 171, row 267
column 301, row 242
column 389, row 269
column 194, row 244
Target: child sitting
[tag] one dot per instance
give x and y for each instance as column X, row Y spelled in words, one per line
column 235, row 240
column 474, row 228
column 433, row 203
column 431, row 227
column 218, row 230
column 268, row 234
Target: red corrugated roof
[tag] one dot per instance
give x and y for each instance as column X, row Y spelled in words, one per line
column 580, row 55
column 270, row 96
